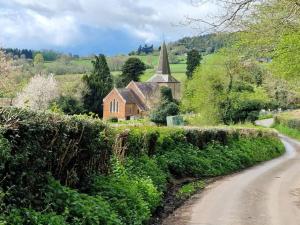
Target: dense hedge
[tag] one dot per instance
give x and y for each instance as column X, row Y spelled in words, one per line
column 77, row 170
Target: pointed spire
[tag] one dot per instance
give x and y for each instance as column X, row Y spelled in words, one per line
column 163, row 63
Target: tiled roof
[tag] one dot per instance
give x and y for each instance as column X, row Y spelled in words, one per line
column 131, row 98
column 161, row 78
column 146, row 88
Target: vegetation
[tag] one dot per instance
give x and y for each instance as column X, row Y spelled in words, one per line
column 77, row 170
column 289, row 123
column 167, row 107
column 131, row 71
column 38, row 94
column 226, row 90
column 99, row 83
column 193, row 61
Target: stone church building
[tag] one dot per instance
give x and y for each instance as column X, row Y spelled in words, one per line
column 138, row 98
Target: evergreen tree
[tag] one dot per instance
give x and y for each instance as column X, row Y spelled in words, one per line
column 168, row 106
column 193, row 60
column 131, row 71
column 100, row 83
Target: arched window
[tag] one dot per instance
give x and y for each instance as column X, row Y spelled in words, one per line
column 117, row 106
column 114, row 106
column 111, row 107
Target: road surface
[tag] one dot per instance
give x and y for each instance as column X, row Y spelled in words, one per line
column 268, row 194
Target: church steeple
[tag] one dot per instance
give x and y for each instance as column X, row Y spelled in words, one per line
column 163, row 72
column 163, row 63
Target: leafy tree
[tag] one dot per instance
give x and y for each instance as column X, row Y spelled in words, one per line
column 131, row 71
column 193, row 61
column 223, row 92
column 38, row 59
column 70, row 105
column 167, row 107
column 100, row 83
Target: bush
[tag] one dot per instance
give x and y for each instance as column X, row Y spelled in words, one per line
column 70, row 105
column 76, row 170
column 79, row 209
column 113, row 120
column 168, row 107
column 31, row 217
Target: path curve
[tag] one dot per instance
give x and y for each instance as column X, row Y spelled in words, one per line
column 268, row 194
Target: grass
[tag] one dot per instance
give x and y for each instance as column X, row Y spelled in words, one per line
column 288, row 123
column 188, row 190
column 69, row 82
column 293, row 133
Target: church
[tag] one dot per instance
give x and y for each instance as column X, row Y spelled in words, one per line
column 138, row 98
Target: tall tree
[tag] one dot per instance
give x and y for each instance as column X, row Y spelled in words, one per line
column 131, row 71
column 100, row 83
column 193, row 60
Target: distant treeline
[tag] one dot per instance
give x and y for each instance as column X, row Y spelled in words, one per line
column 206, row 44
column 49, row 55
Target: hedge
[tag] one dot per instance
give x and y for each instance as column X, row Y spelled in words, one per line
column 77, row 170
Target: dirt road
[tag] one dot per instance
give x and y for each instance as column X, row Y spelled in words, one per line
column 268, row 194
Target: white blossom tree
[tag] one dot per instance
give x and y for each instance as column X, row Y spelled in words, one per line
column 37, row 95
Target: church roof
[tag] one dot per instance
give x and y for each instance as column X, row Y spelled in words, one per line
column 146, row 88
column 131, row 98
column 163, row 72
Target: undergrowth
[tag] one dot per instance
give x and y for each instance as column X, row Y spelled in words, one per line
column 78, row 171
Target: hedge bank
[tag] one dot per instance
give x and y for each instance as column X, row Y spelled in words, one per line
column 77, row 170
column 289, row 123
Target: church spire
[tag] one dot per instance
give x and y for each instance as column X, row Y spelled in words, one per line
column 163, row 63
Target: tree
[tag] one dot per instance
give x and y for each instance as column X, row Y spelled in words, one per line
column 70, row 105
column 38, row 59
column 222, row 91
column 6, row 79
column 99, row 83
column 167, row 107
column 131, row 71
column 193, row 61
column 39, row 93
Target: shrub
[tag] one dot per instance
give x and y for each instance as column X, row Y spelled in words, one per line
column 167, row 107
column 113, row 119
column 132, row 197
column 102, row 175
column 31, row 217
column 79, row 209
column 70, row 105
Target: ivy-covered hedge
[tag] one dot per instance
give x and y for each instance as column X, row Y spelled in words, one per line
column 77, row 170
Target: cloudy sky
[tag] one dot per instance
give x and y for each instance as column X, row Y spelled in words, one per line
column 95, row 26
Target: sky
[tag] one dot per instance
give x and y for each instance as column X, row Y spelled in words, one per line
column 96, row 26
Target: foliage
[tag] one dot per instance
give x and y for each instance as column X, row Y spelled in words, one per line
column 188, row 190
column 167, row 107
column 38, row 59
column 78, row 208
column 225, row 89
column 206, row 44
column 100, row 83
column 291, row 132
column 286, row 61
column 288, row 123
column 75, row 170
column 38, row 94
column 193, row 61
column 131, row 71
column 70, row 105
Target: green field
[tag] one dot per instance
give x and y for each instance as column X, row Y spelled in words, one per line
column 69, row 82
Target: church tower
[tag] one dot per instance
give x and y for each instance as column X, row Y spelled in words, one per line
column 163, row 75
